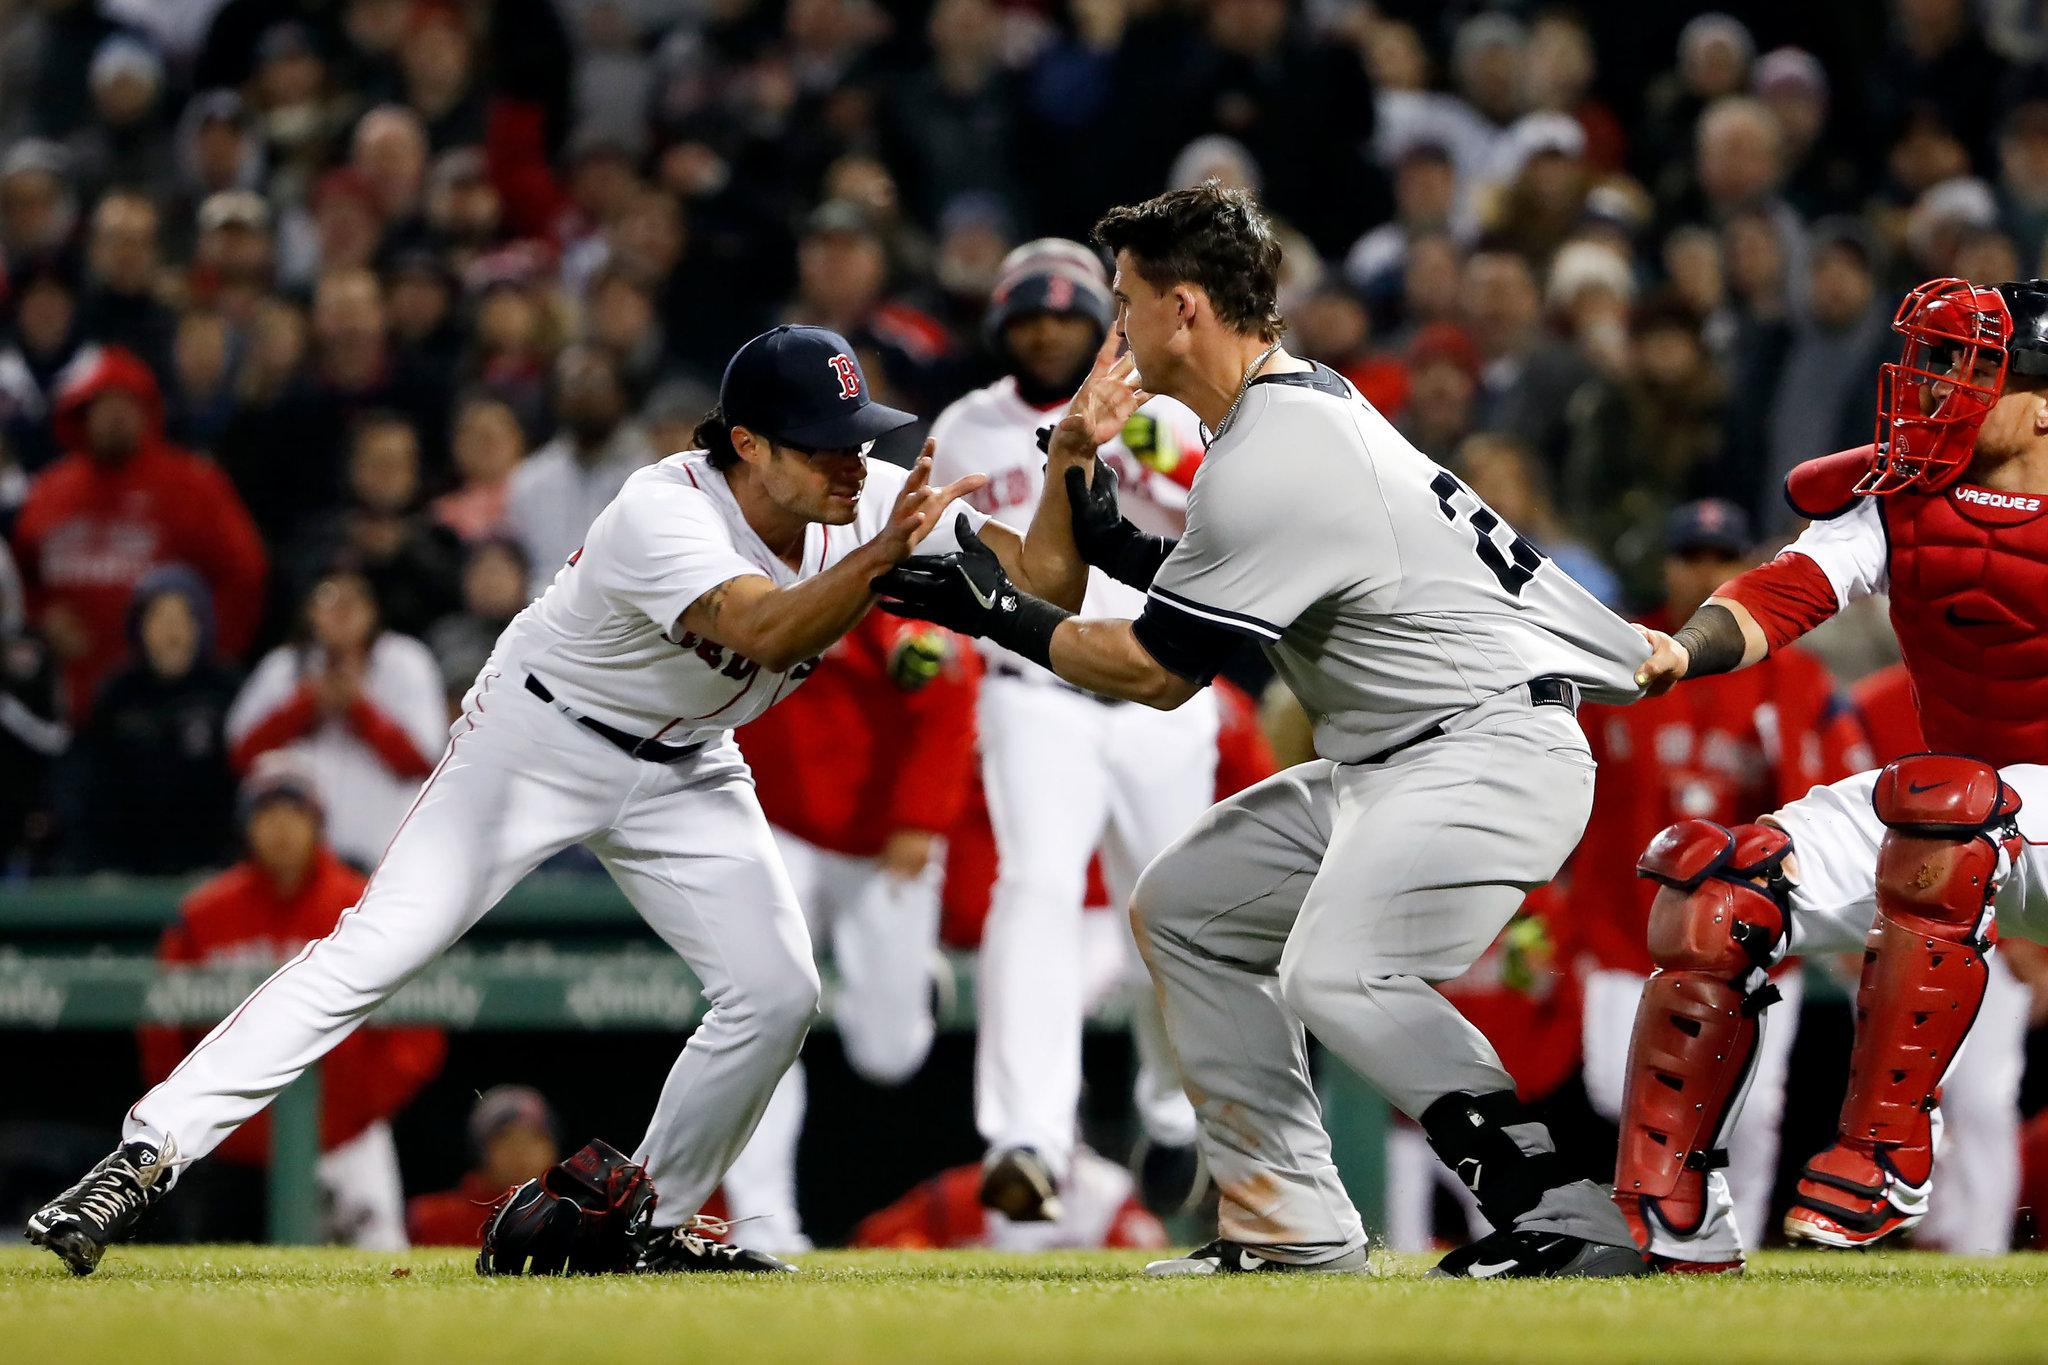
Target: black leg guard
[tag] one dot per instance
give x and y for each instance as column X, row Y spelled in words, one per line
column 1469, row 1133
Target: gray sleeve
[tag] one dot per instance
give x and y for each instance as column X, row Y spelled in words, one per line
column 1258, row 552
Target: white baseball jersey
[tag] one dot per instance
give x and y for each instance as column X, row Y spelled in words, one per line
column 994, row 431
column 1386, row 594
column 604, row 638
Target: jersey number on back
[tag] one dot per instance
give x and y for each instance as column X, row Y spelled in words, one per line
column 1513, row 567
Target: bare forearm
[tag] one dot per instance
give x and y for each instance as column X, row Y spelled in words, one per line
column 779, row 628
column 1105, row 657
column 1052, row 565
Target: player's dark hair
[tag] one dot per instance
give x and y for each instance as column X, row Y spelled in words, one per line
column 713, row 436
column 1210, row 237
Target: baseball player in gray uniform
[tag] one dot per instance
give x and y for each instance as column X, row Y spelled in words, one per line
column 1441, row 657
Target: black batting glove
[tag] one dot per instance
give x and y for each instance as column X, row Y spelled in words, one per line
column 968, row 591
column 1102, row 535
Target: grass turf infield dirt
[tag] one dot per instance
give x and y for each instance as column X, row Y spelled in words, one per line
column 240, row 1303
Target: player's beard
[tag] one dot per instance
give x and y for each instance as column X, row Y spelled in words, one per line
column 1040, row 394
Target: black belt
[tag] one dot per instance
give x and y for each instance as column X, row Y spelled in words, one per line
column 631, row 745
column 1007, row 670
column 1548, row 690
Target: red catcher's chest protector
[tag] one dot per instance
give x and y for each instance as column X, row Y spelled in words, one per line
column 1969, row 600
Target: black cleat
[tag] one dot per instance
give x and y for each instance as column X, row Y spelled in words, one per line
column 1172, row 1180
column 1221, row 1257
column 1527, row 1255
column 688, row 1248
column 1017, row 1184
column 103, row 1208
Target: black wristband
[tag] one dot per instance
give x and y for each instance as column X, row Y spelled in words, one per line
column 1136, row 557
column 1712, row 641
column 1027, row 631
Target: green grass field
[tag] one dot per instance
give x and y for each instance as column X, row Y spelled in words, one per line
column 164, row 1305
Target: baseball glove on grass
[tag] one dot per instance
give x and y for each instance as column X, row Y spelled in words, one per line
column 581, row 1218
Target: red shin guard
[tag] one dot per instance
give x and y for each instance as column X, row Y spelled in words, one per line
column 1718, row 922
column 1949, row 836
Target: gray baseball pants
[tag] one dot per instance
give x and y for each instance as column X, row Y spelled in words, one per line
column 1330, row 896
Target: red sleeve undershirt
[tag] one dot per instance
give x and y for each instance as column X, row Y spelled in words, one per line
column 1788, row 597
column 299, row 714
column 388, row 740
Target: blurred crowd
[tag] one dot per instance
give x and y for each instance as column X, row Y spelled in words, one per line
column 326, row 326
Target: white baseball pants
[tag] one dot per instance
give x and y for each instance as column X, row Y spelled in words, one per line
column 1977, row 1166
column 883, row 931
column 1835, row 836
column 1066, row 774
column 519, row 782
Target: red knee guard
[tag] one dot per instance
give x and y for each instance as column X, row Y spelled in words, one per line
column 1718, row 922
column 1950, row 836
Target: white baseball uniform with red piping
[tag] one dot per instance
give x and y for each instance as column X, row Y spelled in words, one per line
column 520, row 781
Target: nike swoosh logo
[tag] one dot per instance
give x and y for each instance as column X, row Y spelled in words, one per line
column 1487, row 1272
column 1919, row 787
column 985, row 599
column 1956, row 618
column 1250, row 1262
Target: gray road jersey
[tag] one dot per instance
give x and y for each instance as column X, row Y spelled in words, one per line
column 1386, row 594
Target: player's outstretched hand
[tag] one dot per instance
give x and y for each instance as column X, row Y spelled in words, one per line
column 1105, row 401
column 1667, row 663
column 919, row 506
column 966, row 590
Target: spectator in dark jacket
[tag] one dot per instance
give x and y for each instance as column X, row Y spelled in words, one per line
column 410, row 560
column 1825, row 376
column 120, row 306
column 290, row 458
column 494, row 590
column 31, row 735
column 45, row 340
column 150, row 788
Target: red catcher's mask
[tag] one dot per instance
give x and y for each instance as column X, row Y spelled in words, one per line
column 1931, row 401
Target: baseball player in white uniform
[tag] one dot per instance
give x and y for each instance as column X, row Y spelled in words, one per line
column 703, row 594
column 1067, row 771
column 1440, row 657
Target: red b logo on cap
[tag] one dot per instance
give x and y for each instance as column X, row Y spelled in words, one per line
column 849, row 377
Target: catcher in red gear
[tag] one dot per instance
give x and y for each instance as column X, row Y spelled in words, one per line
column 1947, row 511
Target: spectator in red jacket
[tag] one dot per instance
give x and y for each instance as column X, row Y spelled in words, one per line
column 861, row 773
column 289, row 891
column 515, row 1138
column 120, row 503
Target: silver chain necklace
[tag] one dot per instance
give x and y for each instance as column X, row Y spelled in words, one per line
column 1250, row 374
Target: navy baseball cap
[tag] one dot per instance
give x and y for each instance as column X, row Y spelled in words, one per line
column 803, row 386
column 1708, row 524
